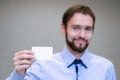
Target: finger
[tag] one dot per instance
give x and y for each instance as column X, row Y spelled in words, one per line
column 24, row 52
column 23, row 62
column 23, row 55
column 22, row 67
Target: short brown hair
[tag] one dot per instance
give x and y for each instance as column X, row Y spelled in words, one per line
column 77, row 9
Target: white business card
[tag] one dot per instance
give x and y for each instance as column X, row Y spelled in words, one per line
column 43, row 53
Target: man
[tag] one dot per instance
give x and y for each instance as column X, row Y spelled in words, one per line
column 75, row 62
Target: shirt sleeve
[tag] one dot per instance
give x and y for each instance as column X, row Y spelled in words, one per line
column 15, row 76
column 111, row 75
column 33, row 72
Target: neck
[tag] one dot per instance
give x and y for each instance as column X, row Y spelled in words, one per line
column 75, row 53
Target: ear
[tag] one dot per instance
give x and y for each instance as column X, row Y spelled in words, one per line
column 63, row 29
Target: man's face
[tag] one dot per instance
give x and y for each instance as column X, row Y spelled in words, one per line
column 79, row 32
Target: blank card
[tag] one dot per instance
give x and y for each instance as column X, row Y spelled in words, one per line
column 43, row 53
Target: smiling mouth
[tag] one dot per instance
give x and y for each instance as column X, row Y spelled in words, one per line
column 80, row 41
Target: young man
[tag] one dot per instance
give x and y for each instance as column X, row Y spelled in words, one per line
column 75, row 62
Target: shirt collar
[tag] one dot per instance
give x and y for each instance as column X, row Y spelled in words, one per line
column 69, row 57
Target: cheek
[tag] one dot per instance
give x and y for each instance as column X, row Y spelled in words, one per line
column 70, row 36
column 89, row 37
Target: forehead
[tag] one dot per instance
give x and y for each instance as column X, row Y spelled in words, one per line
column 81, row 19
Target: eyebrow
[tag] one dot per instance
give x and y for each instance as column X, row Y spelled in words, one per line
column 81, row 26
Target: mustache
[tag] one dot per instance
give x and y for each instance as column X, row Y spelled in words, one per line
column 80, row 38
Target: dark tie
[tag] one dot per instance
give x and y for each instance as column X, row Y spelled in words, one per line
column 75, row 62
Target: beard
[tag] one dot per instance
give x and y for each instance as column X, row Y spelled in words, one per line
column 72, row 45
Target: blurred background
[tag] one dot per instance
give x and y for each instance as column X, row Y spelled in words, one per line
column 27, row 23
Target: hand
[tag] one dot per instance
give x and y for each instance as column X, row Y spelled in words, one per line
column 23, row 60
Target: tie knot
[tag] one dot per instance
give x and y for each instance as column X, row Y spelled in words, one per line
column 76, row 61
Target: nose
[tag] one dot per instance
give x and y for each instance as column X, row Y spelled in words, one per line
column 82, row 33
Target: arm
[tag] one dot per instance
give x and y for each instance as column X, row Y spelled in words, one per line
column 111, row 75
column 15, row 76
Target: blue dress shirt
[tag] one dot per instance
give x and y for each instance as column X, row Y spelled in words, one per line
column 98, row 68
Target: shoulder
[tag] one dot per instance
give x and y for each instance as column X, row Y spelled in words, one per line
column 99, row 60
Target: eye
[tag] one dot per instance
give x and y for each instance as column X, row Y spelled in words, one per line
column 76, row 27
column 88, row 28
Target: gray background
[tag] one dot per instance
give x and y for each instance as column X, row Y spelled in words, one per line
column 27, row 23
